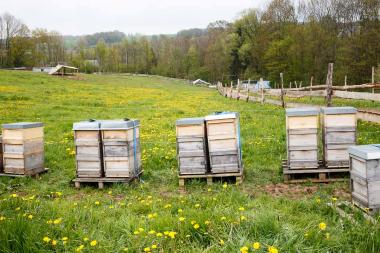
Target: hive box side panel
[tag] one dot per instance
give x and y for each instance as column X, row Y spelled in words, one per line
column 190, row 130
column 27, row 147
column 305, row 122
column 341, row 120
column 358, row 166
column 374, row 194
column 82, row 135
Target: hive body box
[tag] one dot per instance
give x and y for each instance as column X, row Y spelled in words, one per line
column 224, row 144
column 88, row 149
column 339, row 132
column 191, row 146
column 1, row 154
column 121, row 148
column 302, row 138
column 23, row 148
column 365, row 175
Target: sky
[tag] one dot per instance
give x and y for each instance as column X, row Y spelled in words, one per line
column 78, row 17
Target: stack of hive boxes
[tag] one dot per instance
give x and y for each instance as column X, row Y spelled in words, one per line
column 302, row 138
column 191, row 146
column 209, row 145
column 107, row 148
column 88, row 148
column 23, row 148
column 339, row 132
column 365, row 175
column 224, row 144
column 121, row 148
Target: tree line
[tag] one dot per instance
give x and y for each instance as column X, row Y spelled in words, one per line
column 298, row 40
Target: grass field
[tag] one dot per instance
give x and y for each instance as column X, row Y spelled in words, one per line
column 48, row 214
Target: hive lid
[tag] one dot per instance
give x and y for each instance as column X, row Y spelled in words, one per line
column 190, row 121
column 338, row 110
column 222, row 115
column 367, row 152
column 120, row 124
column 86, row 125
column 304, row 111
column 23, row 125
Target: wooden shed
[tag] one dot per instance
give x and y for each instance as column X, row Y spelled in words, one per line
column 23, row 148
column 224, row 143
column 339, row 132
column 63, row 70
column 365, row 175
column 191, row 146
column 302, row 138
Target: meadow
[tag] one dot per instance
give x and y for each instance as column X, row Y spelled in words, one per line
column 260, row 215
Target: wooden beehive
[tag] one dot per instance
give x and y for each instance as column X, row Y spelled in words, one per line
column 88, row 149
column 365, row 175
column 224, row 144
column 1, row 154
column 339, row 132
column 121, row 148
column 191, row 146
column 23, row 148
column 302, row 138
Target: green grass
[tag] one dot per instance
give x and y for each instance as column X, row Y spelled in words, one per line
column 274, row 215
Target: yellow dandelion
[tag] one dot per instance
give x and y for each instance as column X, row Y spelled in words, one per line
column 159, row 234
column 180, row 210
column 242, row 218
column 152, row 232
column 17, row 209
column 65, row 238
column 109, row 192
column 207, row 222
column 181, row 219
column 14, row 195
column 167, row 206
column 244, row 249
column 49, row 222
column 30, row 216
column 223, row 218
column 197, row 205
column 196, row 226
column 225, row 186
column 46, row 239
column 85, row 239
column 2, row 218
column 334, row 199
column 322, row 226
column 141, row 229
column 54, row 242
column 80, row 248
column 193, row 222
column 57, row 221
column 272, row 249
column 147, row 249
column 172, row 234
column 97, row 203
column 136, row 232
column 125, row 249
column 241, row 208
column 221, row 242
column 93, row 243
column 256, row 245
column 154, row 246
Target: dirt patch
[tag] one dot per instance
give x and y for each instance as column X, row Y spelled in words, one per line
column 290, row 191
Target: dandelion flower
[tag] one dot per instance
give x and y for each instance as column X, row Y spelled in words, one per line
column 242, row 218
column 2, row 218
column 30, row 216
column 65, row 238
column 14, row 195
column 159, row 234
column 256, row 245
column 125, row 249
column 223, row 218
column 196, row 226
column 17, row 209
column 46, row 239
column 209, row 189
column 147, row 249
column 97, row 203
column 57, row 221
column 180, row 210
column 152, row 232
column 80, row 248
column 172, row 234
column 197, row 205
column 244, row 249
column 207, row 222
column 241, row 208
column 272, row 249
column 225, row 186
column 322, row 226
column 221, row 242
column 85, row 239
column 154, row 246
column 136, row 232
column 54, row 242
column 167, row 206
column 193, row 222
column 181, row 219
column 93, row 243
column 109, row 192
column 141, row 229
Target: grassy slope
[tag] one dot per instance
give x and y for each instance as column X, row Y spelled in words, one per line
column 288, row 221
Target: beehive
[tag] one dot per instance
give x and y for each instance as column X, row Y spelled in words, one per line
column 23, row 148
column 339, row 132
column 365, row 175
column 191, row 146
column 88, row 149
column 121, row 148
column 1, row 154
column 224, row 143
column 302, row 138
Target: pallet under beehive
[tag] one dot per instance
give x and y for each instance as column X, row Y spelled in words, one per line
column 23, row 148
column 88, row 149
column 339, row 132
column 191, row 146
column 224, row 143
column 365, row 176
column 302, row 138
column 121, row 148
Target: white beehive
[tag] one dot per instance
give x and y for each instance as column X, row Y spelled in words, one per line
column 302, row 138
column 365, row 175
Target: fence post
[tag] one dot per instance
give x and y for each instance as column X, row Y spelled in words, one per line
column 238, row 90
column 249, row 82
column 373, row 79
column 329, row 91
column 282, row 90
column 311, row 86
column 231, row 89
column 345, row 82
column 262, row 90
column 290, row 85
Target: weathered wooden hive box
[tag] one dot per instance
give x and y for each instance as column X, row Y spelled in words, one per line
column 339, row 132
column 1, row 154
column 365, row 175
column 302, row 138
column 191, row 146
column 88, row 152
column 224, row 143
column 121, row 148
column 23, row 148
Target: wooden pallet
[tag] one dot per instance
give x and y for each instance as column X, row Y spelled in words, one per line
column 32, row 173
column 316, row 175
column 239, row 176
column 102, row 180
column 370, row 211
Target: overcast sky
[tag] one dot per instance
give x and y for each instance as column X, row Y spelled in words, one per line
column 78, row 17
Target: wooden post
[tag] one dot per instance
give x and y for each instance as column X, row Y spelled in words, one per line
column 373, row 78
column 345, row 82
column 295, row 83
column 290, row 85
column 311, row 86
column 282, row 90
column 238, row 90
column 231, row 89
column 249, row 82
column 301, row 84
column 262, row 90
column 329, row 80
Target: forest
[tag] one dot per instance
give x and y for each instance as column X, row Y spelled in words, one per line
column 297, row 39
